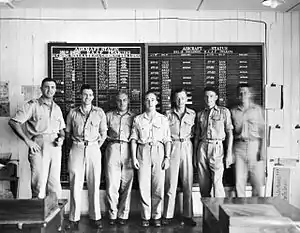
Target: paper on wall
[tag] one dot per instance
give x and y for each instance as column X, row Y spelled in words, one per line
column 30, row 92
column 4, row 99
column 274, row 96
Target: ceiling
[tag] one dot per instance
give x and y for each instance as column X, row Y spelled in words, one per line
column 244, row 5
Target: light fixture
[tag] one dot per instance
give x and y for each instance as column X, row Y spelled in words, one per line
column 272, row 3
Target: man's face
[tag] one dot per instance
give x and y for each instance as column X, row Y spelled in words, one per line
column 244, row 94
column 180, row 99
column 48, row 89
column 122, row 102
column 87, row 96
column 210, row 98
column 150, row 101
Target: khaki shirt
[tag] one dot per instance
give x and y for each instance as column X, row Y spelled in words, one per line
column 86, row 128
column 146, row 131
column 119, row 126
column 248, row 123
column 181, row 128
column 212, row 124
column 40, row 118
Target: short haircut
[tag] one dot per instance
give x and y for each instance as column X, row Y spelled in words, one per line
column 85, row 86
column 48, row 80
column 242, row 85
column 211, row 88
column 178, row 90
column 122, row 92
column 151, row 92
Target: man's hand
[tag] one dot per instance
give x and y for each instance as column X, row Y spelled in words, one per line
column 229, row 159
column 59, row 141
column 195, row 161
column 33, row 146
column 136, row 164
column 165, row 163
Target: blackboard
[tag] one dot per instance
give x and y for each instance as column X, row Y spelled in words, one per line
column 195, row 66
column 107, row 68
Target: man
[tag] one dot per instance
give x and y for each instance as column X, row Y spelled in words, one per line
column 150, row 145
column 213, row 126
column 44, row 135
column 248, row 121
column 181, row 120
column 119, row 170
column 86, row 126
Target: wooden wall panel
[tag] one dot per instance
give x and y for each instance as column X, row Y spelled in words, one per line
column 30, row 66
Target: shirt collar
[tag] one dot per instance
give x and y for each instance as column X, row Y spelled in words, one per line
column 80, row 109
column 146, row 117
column 216, row 107
column 42, row 101
column 116, row 112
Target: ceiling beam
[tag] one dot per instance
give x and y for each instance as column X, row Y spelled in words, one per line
column 199, row 5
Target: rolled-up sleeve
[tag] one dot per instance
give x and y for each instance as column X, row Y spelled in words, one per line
column 228, row 121
column 134, row 130
column 24, row 113
column 167, row 133
column 69, row 122
column 103, row 123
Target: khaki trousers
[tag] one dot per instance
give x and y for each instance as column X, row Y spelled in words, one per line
column 85, row 162
column 246, row 155
column 151, row 179
column 210, row 168
column 181, row 163
column 119, row 178
column 45, row 168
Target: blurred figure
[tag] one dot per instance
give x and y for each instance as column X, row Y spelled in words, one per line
column 181, row 120
column 44, row 135
column 151, row 146
column 119, row 170
column 248, row 122
column 213, row 126
column 86, row 127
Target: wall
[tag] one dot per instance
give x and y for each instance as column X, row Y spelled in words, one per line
column 23, row 52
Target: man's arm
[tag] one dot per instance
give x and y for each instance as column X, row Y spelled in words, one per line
column 17, row 128
column 135, row 162
column 196, row 139
column 229, row 137
column 102, row 129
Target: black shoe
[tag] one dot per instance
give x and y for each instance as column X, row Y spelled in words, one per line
column 96, row 224
column 112, row 222
column 72, row 225
column 166, row 221
column 145, row 223
column 156, row 223
column 188, row 222
column 122, row 221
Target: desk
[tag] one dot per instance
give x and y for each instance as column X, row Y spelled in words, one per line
column 53, row 223
column 211, row 209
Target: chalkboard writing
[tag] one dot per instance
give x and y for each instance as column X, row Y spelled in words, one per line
column 107, row 68
column 193, row 67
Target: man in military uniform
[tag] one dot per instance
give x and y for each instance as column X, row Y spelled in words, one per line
column 249, row 128
column 119, row 170
column 151, row 144
column 212, row 127
column 181, row 120
column 86, row 126
column 44, row 135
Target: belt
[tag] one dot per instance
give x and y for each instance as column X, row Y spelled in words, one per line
column 85, row 143
column 246, row 139
column 118, row 141
column 50, row 136
column 151, row 143
column 180, row 139
column 212, row 140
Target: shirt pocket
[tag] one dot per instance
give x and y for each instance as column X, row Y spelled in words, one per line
column 157, row 131
column 144, row 131
column 55, row 124
column 217, row 122
column 187, row 126
column 94, row 127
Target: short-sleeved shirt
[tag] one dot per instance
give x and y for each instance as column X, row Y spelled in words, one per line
column 146, row 131
column 119, row 126
column 40, row 117
column 84, row 127
column 181, row 128
column 248, row 123
column 212, row 124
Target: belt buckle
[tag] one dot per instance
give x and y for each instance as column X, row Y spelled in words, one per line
column 181, row 139
column 86, row 143
column 151, row 143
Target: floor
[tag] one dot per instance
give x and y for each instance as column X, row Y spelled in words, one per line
column 133, row 226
